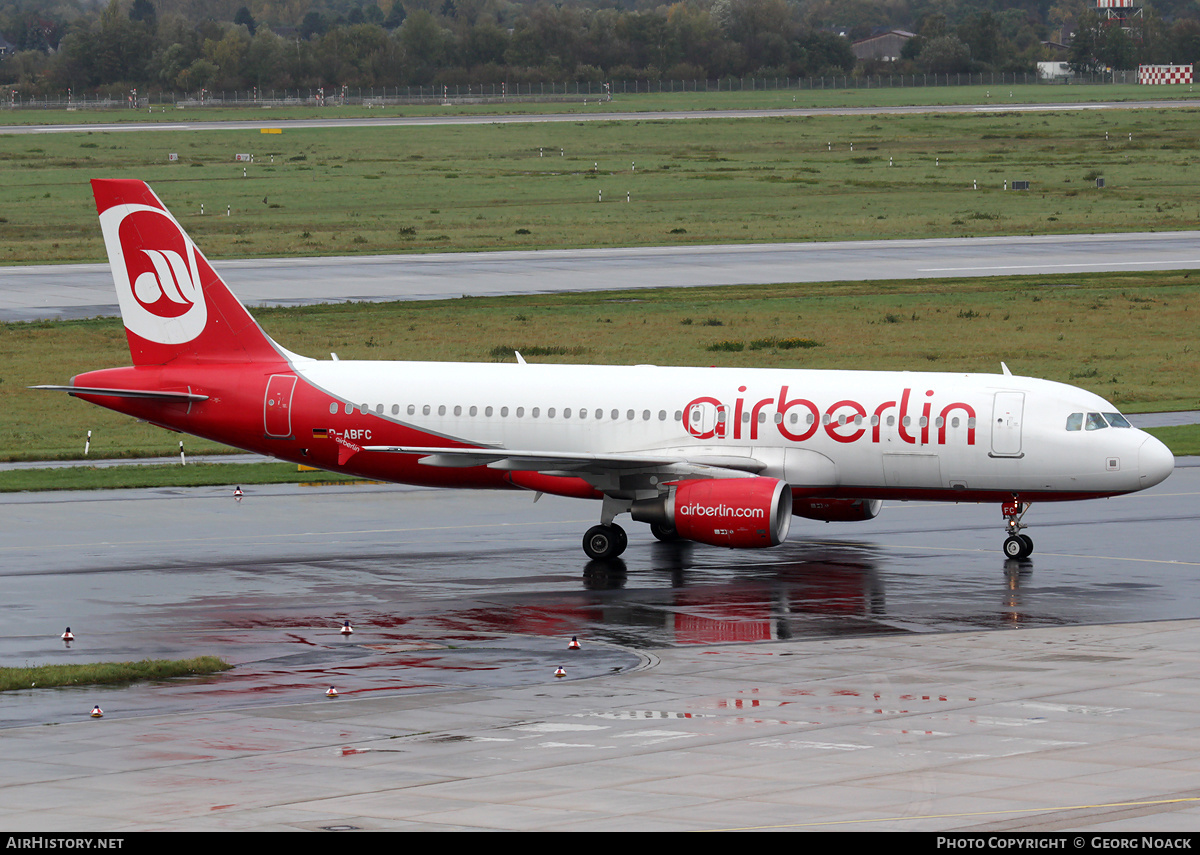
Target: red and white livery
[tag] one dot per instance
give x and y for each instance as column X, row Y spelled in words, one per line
column 1157, row 75
column 723, row 456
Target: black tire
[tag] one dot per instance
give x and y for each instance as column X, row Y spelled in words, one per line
column 602, row 542
column 1015, row 546
column 664, row 533
column 1028, row 544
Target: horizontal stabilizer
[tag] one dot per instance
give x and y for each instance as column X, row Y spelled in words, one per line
column 150, row 394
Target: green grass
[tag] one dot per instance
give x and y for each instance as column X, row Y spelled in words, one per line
column 1129, row 337
column 107, row 673
column 485, row 187
column 1183, row 440
column 191, row 475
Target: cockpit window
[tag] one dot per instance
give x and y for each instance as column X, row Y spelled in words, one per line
column 1075, row 421
column 1117, row 420
column 1095, row 421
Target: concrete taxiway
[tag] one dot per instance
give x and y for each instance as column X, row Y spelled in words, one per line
column 891, row 675
column 39, row 292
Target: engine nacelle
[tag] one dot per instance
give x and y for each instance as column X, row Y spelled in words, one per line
column 837, row 510
column 737, row 512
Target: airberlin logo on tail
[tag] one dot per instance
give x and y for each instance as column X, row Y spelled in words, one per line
column 157, row 273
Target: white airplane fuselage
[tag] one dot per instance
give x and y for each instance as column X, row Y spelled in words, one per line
column 719, row 455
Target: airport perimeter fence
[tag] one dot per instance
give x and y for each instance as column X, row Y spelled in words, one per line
column 499, row 93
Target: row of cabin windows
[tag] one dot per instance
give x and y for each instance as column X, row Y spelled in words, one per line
column 1096, row 421
column 519, row 412
column 646, row 415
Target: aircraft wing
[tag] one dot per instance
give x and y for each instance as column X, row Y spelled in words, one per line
column 552, row 461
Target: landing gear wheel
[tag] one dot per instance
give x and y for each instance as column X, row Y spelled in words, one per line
column 1018, row 546
column 605, row 541
column 664, row 533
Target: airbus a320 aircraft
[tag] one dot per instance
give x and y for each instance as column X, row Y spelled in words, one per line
column 723, row 456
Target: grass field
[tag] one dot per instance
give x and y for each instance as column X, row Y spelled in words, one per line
column 107, row 673
column 1128, row 337
column 577, row 184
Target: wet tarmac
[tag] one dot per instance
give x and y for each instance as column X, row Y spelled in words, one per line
column 891, row 675
column 451, row 589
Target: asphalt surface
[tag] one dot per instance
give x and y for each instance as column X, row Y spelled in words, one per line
column 193, row 119
column 86, row 290
column 891, row 675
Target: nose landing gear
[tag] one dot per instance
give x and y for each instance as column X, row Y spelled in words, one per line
column 1016, row 545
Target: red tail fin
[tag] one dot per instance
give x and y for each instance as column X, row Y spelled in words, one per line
column 174, row 305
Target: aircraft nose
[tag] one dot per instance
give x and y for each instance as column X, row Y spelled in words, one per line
column 1155, row 462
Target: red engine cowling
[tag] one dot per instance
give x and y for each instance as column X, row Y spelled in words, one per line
column 736, row 512
column 837, row 510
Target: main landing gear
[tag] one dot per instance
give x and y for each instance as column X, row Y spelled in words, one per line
column 1016, row 545
column 605, row 541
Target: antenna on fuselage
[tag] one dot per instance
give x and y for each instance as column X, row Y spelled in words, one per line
column 520, row 358
column 1007, row 373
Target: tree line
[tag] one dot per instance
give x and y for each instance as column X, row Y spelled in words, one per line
column 186, row 45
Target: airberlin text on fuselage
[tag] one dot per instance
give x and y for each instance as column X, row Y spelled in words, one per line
column 843, row 421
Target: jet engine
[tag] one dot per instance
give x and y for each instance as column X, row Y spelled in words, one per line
column 837, row 510
column 736, row 512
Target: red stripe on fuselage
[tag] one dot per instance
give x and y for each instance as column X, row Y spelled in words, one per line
column 233, row 414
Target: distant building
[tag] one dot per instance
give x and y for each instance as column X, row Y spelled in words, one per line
column 6, row 47
column 1053, row 70
column 884, row 47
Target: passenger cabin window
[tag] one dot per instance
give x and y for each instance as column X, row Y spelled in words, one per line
column 1075, row 421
